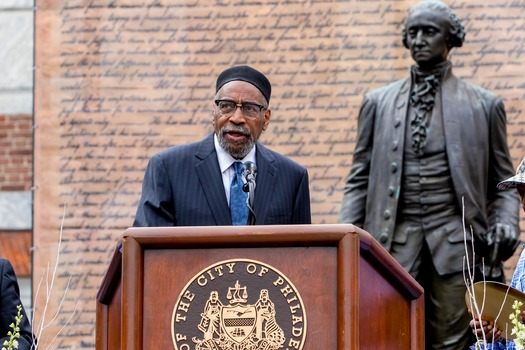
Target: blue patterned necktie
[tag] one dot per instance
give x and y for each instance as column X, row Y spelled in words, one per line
column 238, row 208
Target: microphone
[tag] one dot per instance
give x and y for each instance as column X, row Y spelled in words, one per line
column 249, row 172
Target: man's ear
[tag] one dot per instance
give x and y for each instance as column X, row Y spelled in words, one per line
column 267, row 115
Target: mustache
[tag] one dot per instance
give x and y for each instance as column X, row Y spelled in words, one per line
column 235, row 128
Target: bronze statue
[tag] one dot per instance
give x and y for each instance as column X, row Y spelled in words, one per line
column 427, row 144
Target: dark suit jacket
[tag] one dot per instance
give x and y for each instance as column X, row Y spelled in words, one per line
column 183, row 186
column 9, row 300
column 478, row 155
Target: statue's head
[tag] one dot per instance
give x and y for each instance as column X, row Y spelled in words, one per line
column 430, row 31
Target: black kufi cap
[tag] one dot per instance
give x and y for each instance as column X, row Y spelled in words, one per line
column 247, row 74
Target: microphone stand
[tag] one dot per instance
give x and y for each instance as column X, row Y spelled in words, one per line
column 250, row 188
column 249, row 171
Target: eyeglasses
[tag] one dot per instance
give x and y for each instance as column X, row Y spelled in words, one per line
column 250, row 110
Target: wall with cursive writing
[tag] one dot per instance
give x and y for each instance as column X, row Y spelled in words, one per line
column 119, row 80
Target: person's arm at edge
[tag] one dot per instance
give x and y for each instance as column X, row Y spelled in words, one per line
column 9, row 300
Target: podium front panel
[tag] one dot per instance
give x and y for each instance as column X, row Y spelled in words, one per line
column 312, row 270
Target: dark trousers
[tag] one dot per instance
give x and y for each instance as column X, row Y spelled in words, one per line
column 446, row 314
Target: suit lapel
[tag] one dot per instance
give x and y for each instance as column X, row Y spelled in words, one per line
column 266, row 180
column 454, row 113
column 450, row 106
column 209, row 173
column 401, row 111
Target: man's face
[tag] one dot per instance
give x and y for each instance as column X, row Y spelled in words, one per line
column 427, row 35
column 236, row 133
column 521, row 191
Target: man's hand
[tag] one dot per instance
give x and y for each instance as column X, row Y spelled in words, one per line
column 485, row 330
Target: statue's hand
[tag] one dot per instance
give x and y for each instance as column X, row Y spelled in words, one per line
column 502, row 240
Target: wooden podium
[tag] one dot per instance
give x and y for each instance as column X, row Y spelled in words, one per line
column 354, row 294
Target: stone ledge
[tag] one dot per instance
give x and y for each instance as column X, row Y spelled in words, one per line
column 16, row 4
column 16, row 210
column 16, row 102
column 16, row 36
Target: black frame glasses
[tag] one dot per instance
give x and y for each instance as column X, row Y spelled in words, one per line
column 250, row 110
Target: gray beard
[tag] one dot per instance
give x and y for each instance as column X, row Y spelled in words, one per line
column 236, row 153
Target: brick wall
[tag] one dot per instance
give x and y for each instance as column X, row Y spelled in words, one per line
column 16, row 156
column 16, row 247
column 16, row 152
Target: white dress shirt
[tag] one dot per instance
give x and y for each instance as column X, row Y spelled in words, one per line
column 226, row 164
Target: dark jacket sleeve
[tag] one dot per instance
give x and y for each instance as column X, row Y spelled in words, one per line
column 356, row 186
column 302, row 214
column 502, row 206
column 156, row 205
column 9, row 300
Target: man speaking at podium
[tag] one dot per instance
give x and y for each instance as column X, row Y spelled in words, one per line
column 228, row 178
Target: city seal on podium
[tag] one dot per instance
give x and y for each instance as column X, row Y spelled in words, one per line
column 239, row 304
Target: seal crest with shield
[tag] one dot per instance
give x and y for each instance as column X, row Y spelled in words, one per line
column 239, row 305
